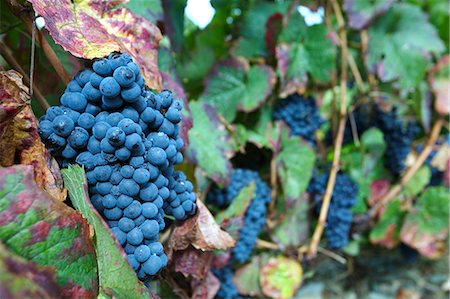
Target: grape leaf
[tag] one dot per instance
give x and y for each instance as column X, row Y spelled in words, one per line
column 200, row 231
column 294, row 176
column 174, row 22
column 294, row 227
column 247, row 278
column 301, row 52
column 172, row 82
column 116, row 278
column 387, row 231
column 20, row 142
column 233, row 85
column 20, row 278
column 91, row 29
column 281, row 277
column 426, row 226
column 239, row 205
column 418, row 182
column 209, row 146
column 43, row 230
column 152, row 10
column 251, row 43
column 362, row 13
column 399, row 44
column 440, row 84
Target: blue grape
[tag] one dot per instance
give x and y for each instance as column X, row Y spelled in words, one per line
column 131, row 94
column 109, row 87
column 124, row 75
column 78, row 138
column 142, row 253
column 134, row 210
column 83, row 77
column 129, row 187
column 102, row 67
column 149, row 210
column 113, row 214
column 126, row 224
column 95, row 80
column 150, row 229
column 124, row 201
column 73, row 86
column 109, row 201
column 86, row 121
column 45, row 128
column 103, row 173
column 120, row 235
column 135, row 236
column 63, row 125
column 74, row 100
column 91, row 93
column 115, row 136
column 99, row 129
column 157, row 156
column 133, row 262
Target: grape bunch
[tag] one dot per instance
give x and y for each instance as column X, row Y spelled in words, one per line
column 301, row 115
column 339, row 216
column 227, row 289
column 127, row 139
column 398, row 136
column 254, row 218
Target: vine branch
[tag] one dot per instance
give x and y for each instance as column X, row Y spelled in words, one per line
column 395, row 190
column 312, row 250
column 22, row 12
column 15, row 65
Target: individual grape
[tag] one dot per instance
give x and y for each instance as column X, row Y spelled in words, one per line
column 111, row 103
column 95, row 80
column 152, row 265
column 63, row 125
column 93, row 145
column 142, row 253
column 135, row 236
column 56, row 141
column 124, row 75
column 92, row 109
column 103, row 188
column 134, row 210
column 73, row 86
column 133, row 262
column 91, row 93
column 124, row 201
column 109, row 87
column 149, row 210
column 102, row 67
column 86, row 159
column 137, row 162
column 86, row 121
column 149, row 192
column 99, row 129
column 109, row 201
column 131, row 93
column 74, row 100
column 123, row 154
column 113, row 214
column 156, row 156
column 116, row 136
column 129, row 126
column 150, row 229
column 45, row 128
column 148, row 115
column 134, row 67
column 103, row 173
column 83, row 77
column 69, row 152
column 173, row 115
column 53, row 112
column 116, row 60
column 126, row 224
column 141, row 176
column 78, row 138
column 130, row 113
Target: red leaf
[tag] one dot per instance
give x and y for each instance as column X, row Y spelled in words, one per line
column 91, row 29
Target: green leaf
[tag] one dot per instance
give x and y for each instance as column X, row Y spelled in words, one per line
column 398, row 43
column 152, row 10
column 294, row 175
column 247, row 278
column 281, row 277
column 210, row 145
column 251, row 43
column 293, row 228
column 426, row 226
column 302, row 52
column 116, row 277
column 197, row 65
column 418, row 182
column 362, row 13
column 387, row 231
column 373, row 141
column 239, row 204
column 20, row 278
column 233, row 86
column 174, row 22
column 47, row 232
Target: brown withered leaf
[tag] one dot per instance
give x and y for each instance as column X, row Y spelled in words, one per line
column 19, row 139
column 201, row 231
column 206, row 288
column 192, row 262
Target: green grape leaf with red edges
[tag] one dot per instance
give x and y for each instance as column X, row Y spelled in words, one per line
column 400, row 44
column 426, row 227
column 234, row 85
column 116, row 277
column 252, row 42
column 302, row 53
column 47, row 232
column 294, row 176
column 210, row 146
column 92, row 29
column 362, row 13
column 387, row 231
column 20, row 278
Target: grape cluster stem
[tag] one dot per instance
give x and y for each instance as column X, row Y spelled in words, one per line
column 312, row 249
